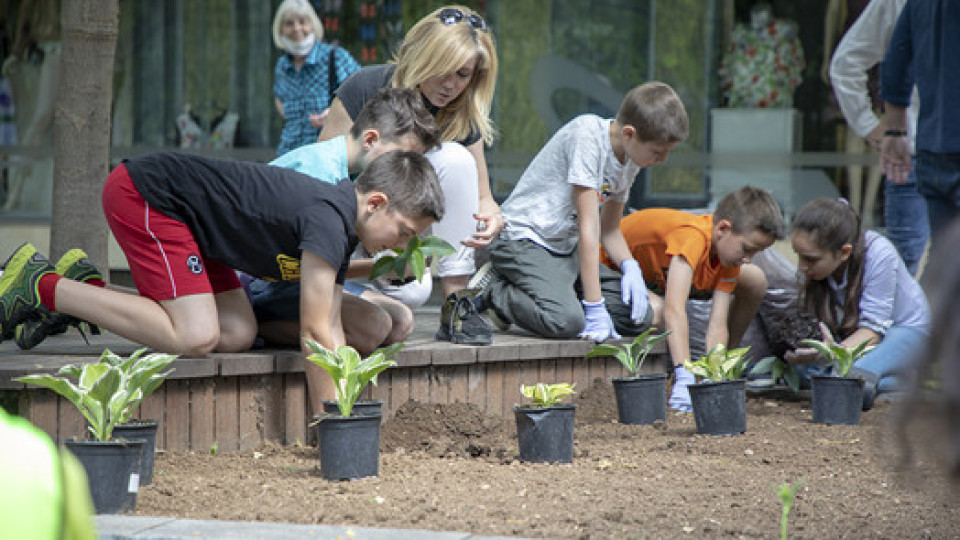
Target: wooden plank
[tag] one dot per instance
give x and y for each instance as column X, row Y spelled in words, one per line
column 294, row 408
column 249, row 402
column 458, row 383
column 237, row 364
column 70, row 423
column 420, row 384
column 380, row 392
column 597, row 369
column 178, row 414
column 564, row 370
column 202, row 414
column 154, row 408
column 40, row 408
column 226, row 417
column 547, row 370
column 581, row 373
column 399, row 389
column 476, row 386
column 494, row 387
column 273, row 408
column 511, row 387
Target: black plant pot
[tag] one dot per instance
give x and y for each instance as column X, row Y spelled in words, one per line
column 113, row 472
column 720, row 408
column 545, row 434
column 642, row 399
column 836, row 400
column 349, row 446
column 145, row 430
column 360, row 408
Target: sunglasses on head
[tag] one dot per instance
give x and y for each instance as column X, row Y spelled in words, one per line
column 451, row 16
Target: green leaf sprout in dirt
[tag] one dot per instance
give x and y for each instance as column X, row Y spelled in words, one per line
column 546, row 395
column 841, row 357
column 214, row 448
column 777, row 369
column 108, row 391
column 788, row 494
column 631, row 355
column 415, row 256
column 720, row 364
column 349, row 372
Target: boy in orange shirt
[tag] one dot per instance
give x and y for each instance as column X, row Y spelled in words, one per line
column 684, row 255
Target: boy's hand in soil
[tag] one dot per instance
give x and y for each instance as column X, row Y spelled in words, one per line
column 680, row 395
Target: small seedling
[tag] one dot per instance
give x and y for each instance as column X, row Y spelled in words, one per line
column 788, row 494
column 720, row 364
column 546, row 395
column 415, row 256
column 778, row 369
column 631, row 355
column 841, row 357
column 214, row 447
column 349, row 372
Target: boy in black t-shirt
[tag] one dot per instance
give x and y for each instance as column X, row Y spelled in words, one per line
column 185, row 223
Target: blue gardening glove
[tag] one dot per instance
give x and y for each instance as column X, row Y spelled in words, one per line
column 680, row 396
column 599, row 325
column 633, row 289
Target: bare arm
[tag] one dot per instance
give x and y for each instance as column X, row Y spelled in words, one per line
column 610, row 235
column 718, row 330
column 337, row 122
column 588, row 221
column 488, row 210
column 320, row 299
column 279, row 104
column 679, row 279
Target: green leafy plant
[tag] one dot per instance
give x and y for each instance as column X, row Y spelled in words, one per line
column 788, row 494
column 351, row 373
column 108, row 391
column 841, row 357
column 631, row 355
column 415, row 256
column 778, row 369
column 546, row 395
column 720, row 364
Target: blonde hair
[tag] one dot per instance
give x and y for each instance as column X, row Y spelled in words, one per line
column 295, row 7
column 656, row 112
column 432, row 48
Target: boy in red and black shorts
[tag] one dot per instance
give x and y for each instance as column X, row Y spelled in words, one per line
column 185, row 223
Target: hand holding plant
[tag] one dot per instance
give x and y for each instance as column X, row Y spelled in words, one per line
column 720, row 364
column 349, row 372
column 415, row 256
column 546, row 395
column 631, row 355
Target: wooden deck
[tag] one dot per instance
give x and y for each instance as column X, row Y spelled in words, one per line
column 238, row 401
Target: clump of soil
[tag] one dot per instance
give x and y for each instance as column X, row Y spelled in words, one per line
column 454, row 468
column 787, row 327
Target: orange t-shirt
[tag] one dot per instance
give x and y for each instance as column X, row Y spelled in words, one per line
column 656, row 235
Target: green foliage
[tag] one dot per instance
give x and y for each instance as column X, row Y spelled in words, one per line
column 788, row 494
column 720, row 364
column 631, row 355
column 778, row 368
column 214, row 448
column 108, row 391
column 841, row 357
column 546, row 395
column 415, row 256
column 349, row 372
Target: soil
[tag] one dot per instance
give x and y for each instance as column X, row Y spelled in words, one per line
column 454, row 468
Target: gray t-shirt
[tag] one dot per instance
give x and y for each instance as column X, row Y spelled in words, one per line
column 541, row 207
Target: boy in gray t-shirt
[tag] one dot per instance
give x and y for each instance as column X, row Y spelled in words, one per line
column 544, row 273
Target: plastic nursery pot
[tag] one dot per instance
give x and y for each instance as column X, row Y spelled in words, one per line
column 720, row 408
column 360, row 408
column 836, row 400
column 146, row 431
column 545, row 434
column 349, row 446
column 113, row 472
column 642, row 399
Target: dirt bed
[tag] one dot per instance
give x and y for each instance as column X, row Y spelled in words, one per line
column 454, row 468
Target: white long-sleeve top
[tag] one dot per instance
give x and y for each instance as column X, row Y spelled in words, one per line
column 861, row 48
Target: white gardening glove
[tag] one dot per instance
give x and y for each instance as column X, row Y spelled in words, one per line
column 598, row 325
column 680, row 396
column 633, row 290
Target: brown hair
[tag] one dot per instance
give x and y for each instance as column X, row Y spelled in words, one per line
column 409, row 182
column 656, row 112
column 395, row 113
column 751, row 209
column 831, row 224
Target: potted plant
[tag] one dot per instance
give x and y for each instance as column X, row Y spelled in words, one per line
column 778, row 369
column 106, row 393
column 837, row 398
column 641, row 399
column 414, row 256
column 720, row 399
column 545, row 428
column 350, row 443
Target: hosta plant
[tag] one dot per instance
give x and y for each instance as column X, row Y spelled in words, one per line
column 841, row 357
column 350, row 372
column 108, row 391
column 777, row 369
column 720, row 364
column 546, row 395
column 415, row 256
column 631, row 355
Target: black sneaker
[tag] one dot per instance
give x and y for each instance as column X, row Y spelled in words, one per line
column 481, row 282
column 459, row 321
column 19, row 297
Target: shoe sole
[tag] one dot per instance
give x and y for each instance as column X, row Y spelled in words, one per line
column 459, row 339
column 480, row 277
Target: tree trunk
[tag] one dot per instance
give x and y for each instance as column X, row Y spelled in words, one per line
column 81, row 139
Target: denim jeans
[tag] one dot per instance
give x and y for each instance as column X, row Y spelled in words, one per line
column 938, row 180
column 905, row 214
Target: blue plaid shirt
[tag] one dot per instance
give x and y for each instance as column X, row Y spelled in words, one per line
column 307, row 92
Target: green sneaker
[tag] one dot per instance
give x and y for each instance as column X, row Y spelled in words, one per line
column 459, row 321
column 19, row 296
column 74, row 265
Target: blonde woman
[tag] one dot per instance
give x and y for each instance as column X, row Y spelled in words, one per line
column 450, row 57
